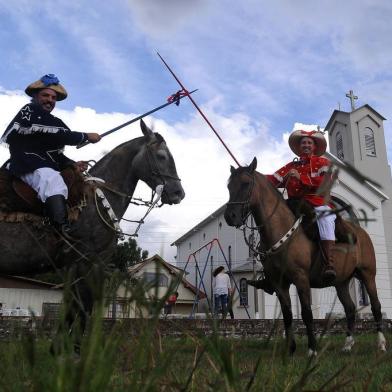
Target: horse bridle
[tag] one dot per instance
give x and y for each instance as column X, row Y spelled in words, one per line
column 245, row 205
column 113, row 224
column 153, row 164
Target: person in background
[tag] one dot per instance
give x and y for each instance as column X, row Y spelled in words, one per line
column 170, row 303
column 221, row 290
column 36, row 141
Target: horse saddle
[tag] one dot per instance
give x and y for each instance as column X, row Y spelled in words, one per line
column 344, row 231
column 16, row 195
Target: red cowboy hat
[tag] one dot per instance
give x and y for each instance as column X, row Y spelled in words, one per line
column 316, row 136
column 47, row 81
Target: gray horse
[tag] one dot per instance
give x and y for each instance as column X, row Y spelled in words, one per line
column 27, row 247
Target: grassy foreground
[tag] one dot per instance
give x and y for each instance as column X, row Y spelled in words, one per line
column 193, row 363
column 114, row 361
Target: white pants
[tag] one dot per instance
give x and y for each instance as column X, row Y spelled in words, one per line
column 46, row 182
column 325, row 222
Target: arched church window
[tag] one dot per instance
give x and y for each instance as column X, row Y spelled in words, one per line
column 243, row 292
column 370, row 146
column 339, row 146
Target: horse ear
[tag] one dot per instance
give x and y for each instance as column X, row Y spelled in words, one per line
column 146, row 130
column 253, row 165
column 232, row 169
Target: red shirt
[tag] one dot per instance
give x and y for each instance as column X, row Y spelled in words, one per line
column 311, row 170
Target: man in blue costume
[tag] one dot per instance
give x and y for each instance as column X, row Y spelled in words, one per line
column 36, row 140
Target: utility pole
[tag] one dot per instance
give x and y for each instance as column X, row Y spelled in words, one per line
column 211, row 282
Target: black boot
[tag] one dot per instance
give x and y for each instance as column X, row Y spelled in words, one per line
column 56, row 211
column 329, row 273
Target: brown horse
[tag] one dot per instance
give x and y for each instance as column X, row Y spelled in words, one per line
column 292, row 258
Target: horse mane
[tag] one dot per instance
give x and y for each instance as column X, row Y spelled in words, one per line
column 238, row 171
column 138, row 141
column 159, row 137
column 266, row 183
column 279, row 194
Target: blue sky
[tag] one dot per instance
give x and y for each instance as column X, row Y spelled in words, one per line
column 260, row 67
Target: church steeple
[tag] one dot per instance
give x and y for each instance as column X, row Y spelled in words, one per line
column 357, row 137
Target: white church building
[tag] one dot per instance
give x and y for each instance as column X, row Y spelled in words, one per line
column 356, row 139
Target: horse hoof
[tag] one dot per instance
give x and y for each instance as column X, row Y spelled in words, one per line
column 382, row 342
column 312, row 354
column 382, row 348
column 348, row 345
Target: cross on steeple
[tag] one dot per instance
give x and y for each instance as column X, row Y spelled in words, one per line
column 352, row 98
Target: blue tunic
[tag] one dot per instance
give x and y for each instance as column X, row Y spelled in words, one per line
column 37, row 139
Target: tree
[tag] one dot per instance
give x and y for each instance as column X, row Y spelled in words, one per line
column 128, row 253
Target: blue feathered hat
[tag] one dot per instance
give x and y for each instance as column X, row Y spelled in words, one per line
column 47, row 81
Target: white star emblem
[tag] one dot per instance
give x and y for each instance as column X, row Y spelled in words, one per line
column 26, row 113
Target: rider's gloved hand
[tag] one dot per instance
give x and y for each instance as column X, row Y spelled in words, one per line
column 81, row 166
column 93, row 137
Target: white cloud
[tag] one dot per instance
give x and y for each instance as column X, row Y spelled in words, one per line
column 257, row 67
column 160, row 19
column 202, row 162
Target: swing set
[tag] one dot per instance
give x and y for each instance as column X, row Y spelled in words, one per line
column 201, row 273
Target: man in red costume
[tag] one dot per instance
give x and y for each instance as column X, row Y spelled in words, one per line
column 302, row 179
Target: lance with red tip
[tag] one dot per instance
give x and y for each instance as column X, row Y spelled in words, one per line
column 175, row 98
column 198, row 109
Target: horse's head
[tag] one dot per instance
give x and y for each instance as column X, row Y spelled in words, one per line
column 155, row 166
column 240, row 185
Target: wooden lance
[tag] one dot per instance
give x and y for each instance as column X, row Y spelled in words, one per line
column 175, row 98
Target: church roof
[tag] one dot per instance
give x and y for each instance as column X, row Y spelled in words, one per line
column 335, row 112
column 247, row 267
column 8, row 281
column 368, row 182
column 209, row 218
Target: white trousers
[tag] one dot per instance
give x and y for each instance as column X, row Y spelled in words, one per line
column 46, row 182
column 325, row 222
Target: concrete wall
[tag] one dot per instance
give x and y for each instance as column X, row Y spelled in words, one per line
column 17, row 327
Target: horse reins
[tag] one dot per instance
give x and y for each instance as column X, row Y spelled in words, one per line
column 114, row 221
column 245, row 214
